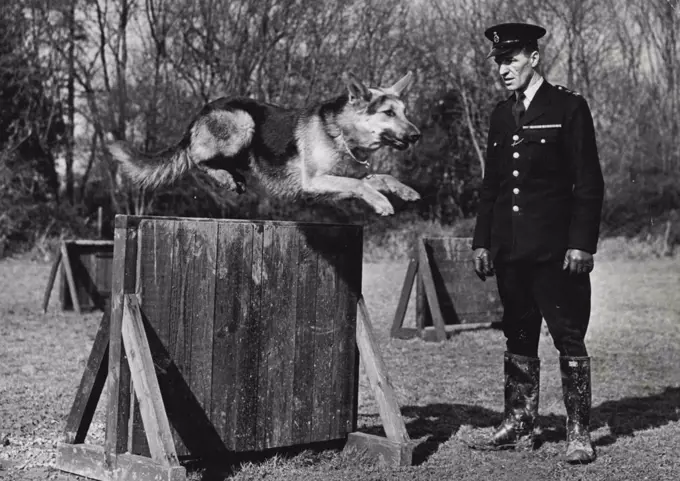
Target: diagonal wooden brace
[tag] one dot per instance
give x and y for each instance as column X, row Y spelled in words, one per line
column 145, row 382
column 397, row 448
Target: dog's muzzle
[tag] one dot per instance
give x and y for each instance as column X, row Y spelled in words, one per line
column 401, row 143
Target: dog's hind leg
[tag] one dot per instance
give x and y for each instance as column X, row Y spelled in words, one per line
column 346, row 187
column 387, row 184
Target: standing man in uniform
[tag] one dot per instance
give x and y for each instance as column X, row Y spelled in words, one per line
column 537, row 230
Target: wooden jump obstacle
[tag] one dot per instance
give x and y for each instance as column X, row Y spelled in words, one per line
column 228, row 337
column 449, row 295
column 85, row 274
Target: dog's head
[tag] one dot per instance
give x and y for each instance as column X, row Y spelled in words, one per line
column 374, row 117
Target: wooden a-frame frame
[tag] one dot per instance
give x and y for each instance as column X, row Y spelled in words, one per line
column 63, row 260
column 108, row 463
column 104, row 463
column 420, row 270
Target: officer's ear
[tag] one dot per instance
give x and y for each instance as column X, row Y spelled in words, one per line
column 535, row 58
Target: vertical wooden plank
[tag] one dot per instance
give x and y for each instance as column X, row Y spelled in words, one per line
column 279, row 297
column 348, row 268
column 155, row 289
column 234, row 254
column 118, row 381
column 248, row 345
column 268, row 345
column 324, row 334
column 156, row 243
column 178, row 325
column 305, row 326
column 179, row 331
column 200, row 309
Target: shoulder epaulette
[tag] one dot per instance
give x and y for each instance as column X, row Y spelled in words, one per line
column 565, row 89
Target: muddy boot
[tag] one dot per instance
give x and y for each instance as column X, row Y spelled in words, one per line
column 521, row 405
column 577, row 399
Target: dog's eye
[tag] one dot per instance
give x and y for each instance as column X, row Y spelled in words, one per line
column 389, row 113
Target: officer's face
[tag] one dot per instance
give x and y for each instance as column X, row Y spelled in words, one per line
column 516, row 68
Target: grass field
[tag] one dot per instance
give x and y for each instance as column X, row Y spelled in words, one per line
column 448, row 392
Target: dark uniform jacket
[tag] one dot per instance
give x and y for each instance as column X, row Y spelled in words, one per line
column 543, row 188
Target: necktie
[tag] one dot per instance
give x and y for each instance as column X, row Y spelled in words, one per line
column 518, row 109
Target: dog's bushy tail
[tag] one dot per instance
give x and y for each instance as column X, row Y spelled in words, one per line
column 151, row 170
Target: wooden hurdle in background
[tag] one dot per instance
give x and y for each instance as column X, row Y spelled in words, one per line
column 449, row 295
column 85, row 274
column 228, row 337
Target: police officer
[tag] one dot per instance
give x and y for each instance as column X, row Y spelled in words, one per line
column 537, row 230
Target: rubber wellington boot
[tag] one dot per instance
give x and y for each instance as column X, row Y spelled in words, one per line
column 522, row 376
column 577, row 400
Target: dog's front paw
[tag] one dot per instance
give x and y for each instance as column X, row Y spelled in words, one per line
column 406, row 193
column 387, row 184
column 382, row 206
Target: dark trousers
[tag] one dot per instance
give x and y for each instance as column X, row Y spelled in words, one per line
column 531, row 292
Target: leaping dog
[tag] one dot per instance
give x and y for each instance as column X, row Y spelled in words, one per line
column 291, row 152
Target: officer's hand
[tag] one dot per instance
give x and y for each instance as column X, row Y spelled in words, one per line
column 578, row 261
column 483, row 263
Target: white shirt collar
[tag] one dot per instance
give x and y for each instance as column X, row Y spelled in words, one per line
column 530, row 92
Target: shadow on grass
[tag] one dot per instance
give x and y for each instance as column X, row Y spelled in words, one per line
column 623, row 417
column 437, row 423
column 296, row 456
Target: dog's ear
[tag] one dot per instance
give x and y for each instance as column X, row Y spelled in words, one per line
column 400, row 85
column 357, row 90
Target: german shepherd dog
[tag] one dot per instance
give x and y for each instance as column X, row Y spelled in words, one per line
column 290, row 152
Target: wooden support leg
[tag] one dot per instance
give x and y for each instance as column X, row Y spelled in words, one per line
column 88, row 461
column 396, row 449
column 145, row 382
column 106, row 464
column 50, row 281
column 91, row 386
column 397, row 329
column 431, row 293
column 66, row 263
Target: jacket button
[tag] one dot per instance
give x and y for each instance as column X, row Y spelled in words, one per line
column 543, row 141
column 515, row 137
column 515, row 208
column 515, row 173
column 515, row 191
column 516, row 155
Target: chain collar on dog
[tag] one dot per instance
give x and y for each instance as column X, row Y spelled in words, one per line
column 344, row 143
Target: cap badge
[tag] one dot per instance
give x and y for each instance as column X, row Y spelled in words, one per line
column 496, row 38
